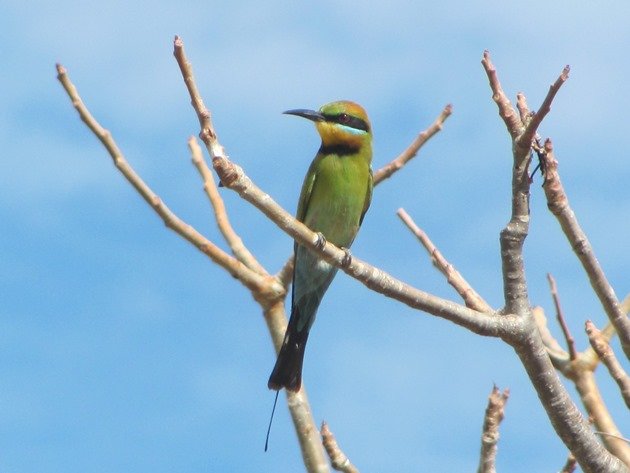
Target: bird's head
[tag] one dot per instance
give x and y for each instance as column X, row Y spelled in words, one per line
column 339, row 124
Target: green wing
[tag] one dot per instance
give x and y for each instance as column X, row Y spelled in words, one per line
column 307, row 191
column 368, row 197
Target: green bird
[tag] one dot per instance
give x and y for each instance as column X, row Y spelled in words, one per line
column 335, row 196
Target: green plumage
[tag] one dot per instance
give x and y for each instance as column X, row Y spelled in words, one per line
column 335, row 196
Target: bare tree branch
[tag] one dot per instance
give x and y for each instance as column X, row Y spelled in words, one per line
column 607, row 355
column 560, row 316
column 299, row 406
column 525, row 140
column 239, row 250
column 558, row 203
column 453, row 277
column 566, row 419
column 506, row 111
column 338, row 459
column 258, row 284
column 513, row 235
column 286, row 273
column 580, row 370
column 403, row 158
column 618, row 437
column 207, row 133
column 490, row 435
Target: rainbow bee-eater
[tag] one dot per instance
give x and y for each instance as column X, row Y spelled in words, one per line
column 335, row 196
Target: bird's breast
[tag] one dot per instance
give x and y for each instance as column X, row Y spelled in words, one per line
column 338, row 198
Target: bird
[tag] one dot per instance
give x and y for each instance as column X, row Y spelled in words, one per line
column 335, row 196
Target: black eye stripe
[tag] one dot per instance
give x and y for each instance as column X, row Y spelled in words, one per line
column 348, row 120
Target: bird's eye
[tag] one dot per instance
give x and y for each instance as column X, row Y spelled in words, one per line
column 344, row 118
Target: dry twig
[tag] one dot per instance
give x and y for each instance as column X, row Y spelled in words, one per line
column 568, row 422
column 506, row 112
column 570, row 465
column 607, row 356
column 403, row 158
column 253, row 281
column 338, row 459
column 239, row 250
column 453, row 277
column 558, row 203
column 525, row 139
column 490, row 434
column 560, row 316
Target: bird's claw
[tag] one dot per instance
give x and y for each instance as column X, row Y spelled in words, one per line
column 347, row 258
column 320, row 242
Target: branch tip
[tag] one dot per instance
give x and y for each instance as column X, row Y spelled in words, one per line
column 338, row 459
column 560, row 317
column 412, row 150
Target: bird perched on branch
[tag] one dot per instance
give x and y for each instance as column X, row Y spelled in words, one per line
column 335, row 196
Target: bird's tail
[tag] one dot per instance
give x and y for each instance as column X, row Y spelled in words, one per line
column 287, row 372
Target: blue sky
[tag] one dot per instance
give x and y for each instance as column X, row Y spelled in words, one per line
column 124, row 349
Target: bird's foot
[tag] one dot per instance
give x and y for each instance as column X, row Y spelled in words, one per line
column 320, row 242
column 347, row 257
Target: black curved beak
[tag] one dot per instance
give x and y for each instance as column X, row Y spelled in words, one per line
column 308, row 114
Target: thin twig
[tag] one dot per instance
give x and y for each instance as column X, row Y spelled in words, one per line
column 559, row 357
column 618, row 437
column 558, row 204
column 286, row 273
column 239, row 250
column 453, row 277
column 560, row 316
column 506, row 111
column 338, row 459
column 207, row 133
column 490, row 434
column 607, row 355
column 527, row 136
column 570, row 465
column 403, row 158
